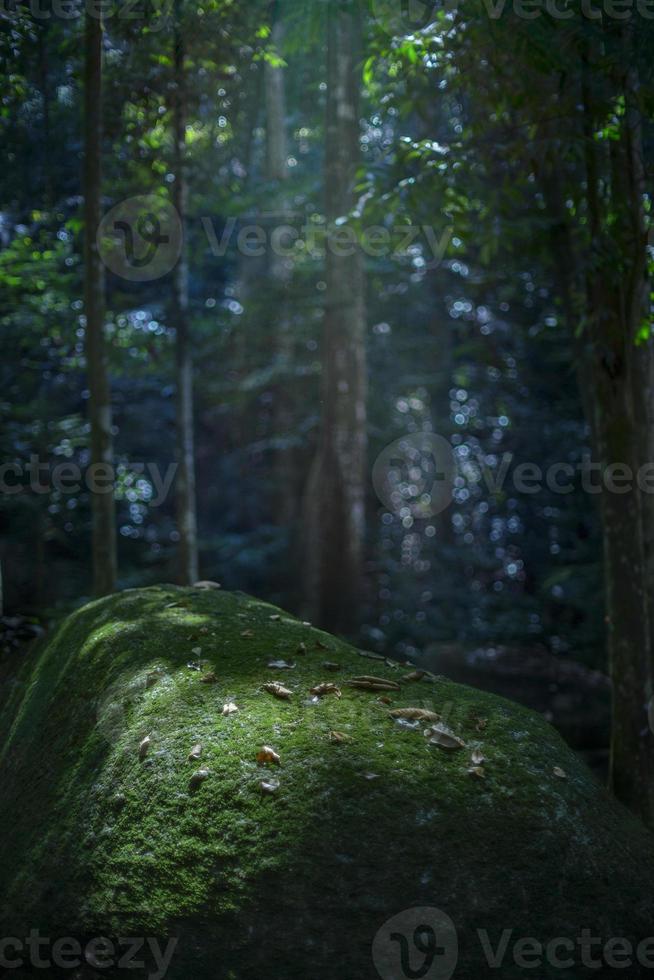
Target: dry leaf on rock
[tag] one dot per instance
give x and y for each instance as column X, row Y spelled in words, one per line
column 339, row 737
column 321, row 690
column 368, row 683
column 198, row 777
column 415, row 714
column 371, row 655
column 278, row 690
column 445, row 738
column 266, row 755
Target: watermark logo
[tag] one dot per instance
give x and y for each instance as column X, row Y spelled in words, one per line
column 416, row 474
column 155, row 13
column 397, row 17
column 140, row 239
column 417, row 944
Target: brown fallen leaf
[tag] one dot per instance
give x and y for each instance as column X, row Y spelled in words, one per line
column 278, row 690
column 445, row 738
column 481, row 724
column 339, row 737
column 368, row 683
column 560, row 773
column 229, row 708
column 247, row 634
column 206, row 584
column 269, row 786
column 478, row 758
column 384, row 699
column 209, row 678
column 144, row 747
column 371, row 656
column 321, row 690
column 477, row 772
column 195, row 753
column 198, row 777
column 415, row 675
column 266, row 754
column 415, row 714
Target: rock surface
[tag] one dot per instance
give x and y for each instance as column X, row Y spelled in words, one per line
column 109, row 828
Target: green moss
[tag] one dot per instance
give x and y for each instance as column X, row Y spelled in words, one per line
column 296, row 883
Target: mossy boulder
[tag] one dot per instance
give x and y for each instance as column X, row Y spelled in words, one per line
column 100, row 837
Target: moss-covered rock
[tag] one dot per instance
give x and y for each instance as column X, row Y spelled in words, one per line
column 102, row 838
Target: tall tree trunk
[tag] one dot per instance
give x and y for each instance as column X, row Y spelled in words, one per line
column 102, row 503
column 285, row 482
column 276, row 143
column 622, row 377
column 335, row 494
column 186, row 499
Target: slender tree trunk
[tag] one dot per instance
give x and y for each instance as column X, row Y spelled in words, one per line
column 276, row 143
column 622, row 378
column 186, row 498
column 102, row 504
column 335, row 495
column 285, row 480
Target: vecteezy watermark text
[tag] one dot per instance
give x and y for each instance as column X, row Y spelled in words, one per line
column 155, row 12
column 423, row 942
column 68, row 478
column 420, row 474
column 402, row 17
column 254, row 238
column 140, row 239
column 145, row 954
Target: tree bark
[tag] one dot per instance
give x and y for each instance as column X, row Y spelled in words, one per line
column 285, row 481
column 186, row 497
column 335, row 494
column 622, row 377
column 102, row 503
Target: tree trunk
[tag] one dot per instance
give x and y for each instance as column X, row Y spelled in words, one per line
column 102, row 503
column 186, row 499
column 285, row 482
column 335, row 494
column 622, row 378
